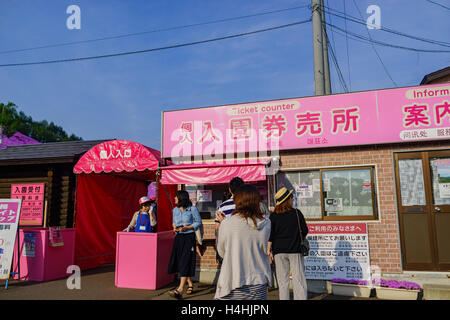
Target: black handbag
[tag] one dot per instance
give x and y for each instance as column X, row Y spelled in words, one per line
column 304, row 243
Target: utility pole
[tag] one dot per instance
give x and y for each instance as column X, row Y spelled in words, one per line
column 319, row 80
column 326, row 65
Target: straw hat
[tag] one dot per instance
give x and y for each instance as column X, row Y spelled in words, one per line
column 282, row 195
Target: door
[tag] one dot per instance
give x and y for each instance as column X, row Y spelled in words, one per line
column 423, row 197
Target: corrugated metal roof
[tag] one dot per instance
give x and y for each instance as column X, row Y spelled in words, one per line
column 44, row 151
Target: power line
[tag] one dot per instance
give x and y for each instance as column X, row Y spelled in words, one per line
column 154, row 49
column 335, row 61
column 332, row 36
column 399, row 33
column 348, row 55
column 375, row 50
column 152, row 31
column 336, row 65
column 385, row 43
column 441, row 5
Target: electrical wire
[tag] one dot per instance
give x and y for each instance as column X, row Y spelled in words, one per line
column 385, row 43
column 335, row 61
column 152, row 31
column 348, row 55
column 438, row 4
column 399, row 33
column 375, row 50
column 154, row 49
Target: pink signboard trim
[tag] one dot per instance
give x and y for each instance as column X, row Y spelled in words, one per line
column 360, row 118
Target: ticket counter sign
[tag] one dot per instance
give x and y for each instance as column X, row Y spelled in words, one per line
column 9, row 220
column 338, row 250
column 32, row 196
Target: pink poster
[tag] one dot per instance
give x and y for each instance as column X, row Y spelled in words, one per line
column 359, row 118
column 32, row 196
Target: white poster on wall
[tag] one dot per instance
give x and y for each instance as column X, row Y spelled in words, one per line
column 338, row 250
column 204, row 195
column 326, row 185
column 333, row 205
column 304, row 191
column 316, row 185
column 443, row 171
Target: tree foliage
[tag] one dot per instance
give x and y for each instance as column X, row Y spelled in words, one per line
column 12, row 121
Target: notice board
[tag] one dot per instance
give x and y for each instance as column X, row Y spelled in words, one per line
column 338, row 250
column 32, row 195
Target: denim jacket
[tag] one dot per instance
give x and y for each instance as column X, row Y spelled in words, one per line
column 190, row 216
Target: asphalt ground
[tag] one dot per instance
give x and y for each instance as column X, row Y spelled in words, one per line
column 98, row 284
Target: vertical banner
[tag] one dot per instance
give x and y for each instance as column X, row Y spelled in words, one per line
column 338, row 250
column 9, row 221
column 32, row 196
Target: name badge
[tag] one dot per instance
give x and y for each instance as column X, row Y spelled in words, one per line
column 142, row 228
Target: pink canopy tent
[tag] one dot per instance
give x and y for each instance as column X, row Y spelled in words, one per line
column 112, row 177
column 215, row 173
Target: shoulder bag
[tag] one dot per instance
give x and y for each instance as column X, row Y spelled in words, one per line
column 304, row 243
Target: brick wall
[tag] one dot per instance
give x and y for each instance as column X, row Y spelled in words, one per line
column 384, row 237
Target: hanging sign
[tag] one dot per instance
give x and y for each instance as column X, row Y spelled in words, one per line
column 32, row 196
column 9, row 221
column 55, row 237
column 338, row 250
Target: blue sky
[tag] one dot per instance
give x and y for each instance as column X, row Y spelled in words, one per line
column 123, row 97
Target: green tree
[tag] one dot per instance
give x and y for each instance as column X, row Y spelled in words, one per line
column 12, row 121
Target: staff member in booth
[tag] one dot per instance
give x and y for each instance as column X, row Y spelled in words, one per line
column 144, row 219
column 186, row 220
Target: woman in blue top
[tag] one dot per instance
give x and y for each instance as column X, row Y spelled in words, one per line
column 186, row 219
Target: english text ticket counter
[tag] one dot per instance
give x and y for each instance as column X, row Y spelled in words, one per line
column 112, row 176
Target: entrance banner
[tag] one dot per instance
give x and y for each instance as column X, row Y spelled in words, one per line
column 358, row 118
column 9, row 221
column 338, row 250
column 32, row 195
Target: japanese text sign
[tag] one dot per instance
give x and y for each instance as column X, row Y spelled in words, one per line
column 9, row 220
column 338, row 250
column 32, row 196
column 359, row 118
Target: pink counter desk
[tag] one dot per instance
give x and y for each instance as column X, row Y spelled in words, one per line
column 142, row 259
column 39, row 261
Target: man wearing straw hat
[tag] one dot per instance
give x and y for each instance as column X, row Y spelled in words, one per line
column 288, row 227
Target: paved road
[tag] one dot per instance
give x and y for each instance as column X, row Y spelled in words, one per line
column 98, row 284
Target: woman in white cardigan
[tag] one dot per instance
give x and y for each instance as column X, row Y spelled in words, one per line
column 243, row 237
